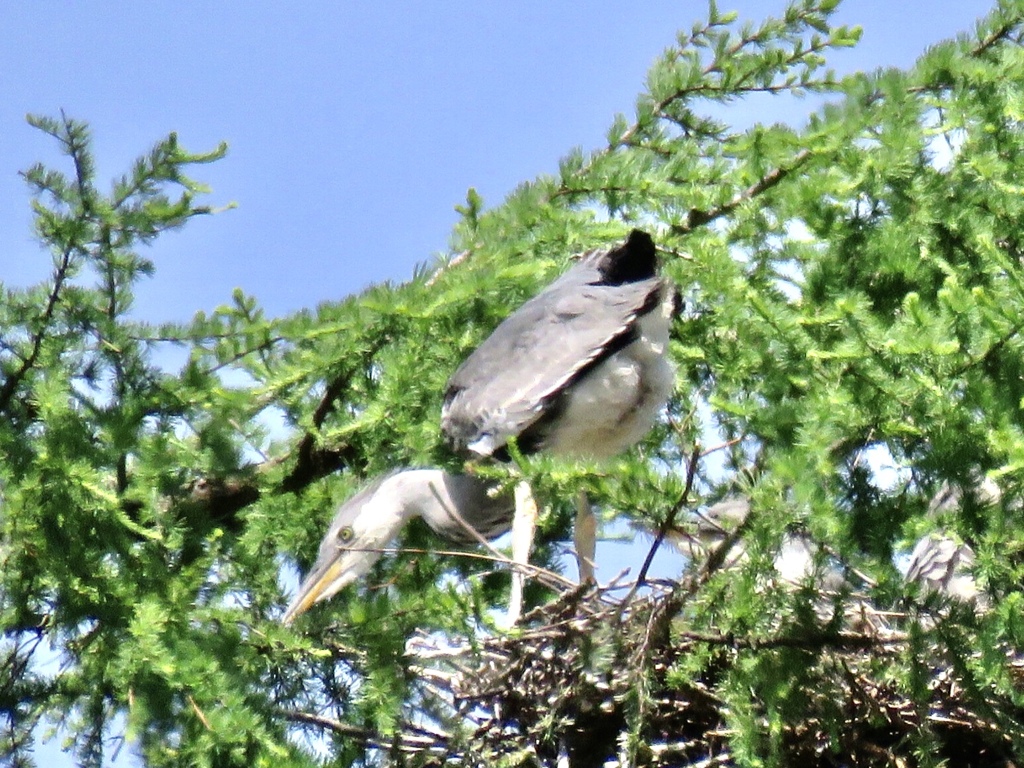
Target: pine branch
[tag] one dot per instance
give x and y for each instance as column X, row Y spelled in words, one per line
column 809, row 641
column 997, row 36
column 670, row 519
column 697, row 217
column 76, row 142
column 12, row 382
column 313, row 462
column 609, row 189
column 738, row 88
column 221, row 498
column 411, row 740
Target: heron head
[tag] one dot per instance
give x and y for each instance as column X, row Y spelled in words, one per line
column 361, row 528
column 711, row 525
column 461, row 508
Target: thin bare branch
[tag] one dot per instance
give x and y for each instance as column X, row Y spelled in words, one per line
column 670, row 519
column 60, row 276
column 697, row 217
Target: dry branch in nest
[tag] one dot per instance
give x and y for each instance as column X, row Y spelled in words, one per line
column 596, row 678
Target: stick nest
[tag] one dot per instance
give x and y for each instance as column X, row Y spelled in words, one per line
column 596, row 678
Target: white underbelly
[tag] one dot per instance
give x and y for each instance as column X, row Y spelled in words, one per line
column 618, row 402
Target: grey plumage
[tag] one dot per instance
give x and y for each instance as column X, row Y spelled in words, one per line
column 368, row 521
column 940, row 563
column 710, row 528
column 951, row 497
column 797, row 558
column 581, row 368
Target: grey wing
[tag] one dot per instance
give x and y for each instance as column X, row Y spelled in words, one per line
column 934, row 560
column 511, row 379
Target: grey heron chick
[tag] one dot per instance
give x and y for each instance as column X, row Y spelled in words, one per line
column 369, row 520
column 941, row 563
column 579, row 369
column 797, row 558
column 798, row 561
column 710, row 529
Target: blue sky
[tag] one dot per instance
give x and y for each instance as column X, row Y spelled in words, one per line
column 353, row 129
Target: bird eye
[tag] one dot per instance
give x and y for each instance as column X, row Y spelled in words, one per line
column 346, row 534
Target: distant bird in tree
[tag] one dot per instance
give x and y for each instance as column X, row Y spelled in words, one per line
column 461, row 508
column 581, row 369
column 797, row 558
column 941, row 563
column 799, row 562
column 708, row 530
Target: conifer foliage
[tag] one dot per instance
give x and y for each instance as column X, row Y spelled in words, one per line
column 851, row 346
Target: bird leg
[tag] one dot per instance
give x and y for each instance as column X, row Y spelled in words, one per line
column 524, row 523
column 585, row 537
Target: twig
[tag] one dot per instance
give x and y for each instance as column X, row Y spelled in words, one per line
column 11, row 383
column 823, row 640
column 406, row 742
column 551, row 578
column 666, row 526
column 994, row 38
column 697, row 217
column 199, row 713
